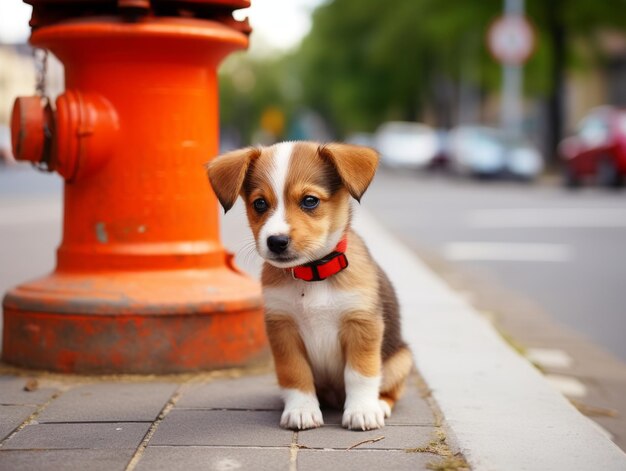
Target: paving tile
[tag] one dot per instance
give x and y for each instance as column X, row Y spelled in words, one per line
column 332, row 416
column 66, row 460
column 250, row 393
column 12, row 391
column 221, row 428
column 70, row 436
column 411, row 409
column 218, row 459
column 109, row 402
column 356, row 460
column 397, row 437
column 12, row 417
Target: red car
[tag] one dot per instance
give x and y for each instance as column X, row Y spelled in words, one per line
column 598, row 149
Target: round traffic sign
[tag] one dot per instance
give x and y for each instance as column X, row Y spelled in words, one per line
column 511, row 39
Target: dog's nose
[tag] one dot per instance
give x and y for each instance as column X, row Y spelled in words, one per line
column 278, row 243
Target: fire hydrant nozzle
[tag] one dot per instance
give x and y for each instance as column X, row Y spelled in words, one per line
column 31, row 125
column 74, row 140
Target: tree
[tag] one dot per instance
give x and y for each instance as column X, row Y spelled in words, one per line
column 250, row 86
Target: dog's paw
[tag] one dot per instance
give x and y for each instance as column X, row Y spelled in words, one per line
column 302, row 410
column 302, row 418
column 386, row 408
column 364, row 416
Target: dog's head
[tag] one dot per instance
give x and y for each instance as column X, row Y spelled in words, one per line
column 297, row 195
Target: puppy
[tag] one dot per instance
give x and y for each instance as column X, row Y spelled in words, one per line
column 331, row 313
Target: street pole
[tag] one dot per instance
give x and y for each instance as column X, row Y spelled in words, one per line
column 511, row 111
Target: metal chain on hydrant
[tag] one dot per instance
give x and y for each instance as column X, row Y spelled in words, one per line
column 40, row 58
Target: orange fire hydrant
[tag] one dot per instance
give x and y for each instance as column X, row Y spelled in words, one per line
column 142, row 283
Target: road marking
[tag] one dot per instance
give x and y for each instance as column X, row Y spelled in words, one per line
column 32, row 212
column 549, row 357
column 547, row 217
column 566, row 385
column 506, row 252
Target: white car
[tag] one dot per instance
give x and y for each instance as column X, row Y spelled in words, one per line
column 485, row 151
column 406, row 145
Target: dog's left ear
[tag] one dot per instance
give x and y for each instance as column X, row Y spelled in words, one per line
column 356, row 165
column 227, row 173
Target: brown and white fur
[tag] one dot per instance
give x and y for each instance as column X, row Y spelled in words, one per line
column 338, row 340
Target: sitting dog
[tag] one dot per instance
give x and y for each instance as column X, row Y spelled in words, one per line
column 331, row 313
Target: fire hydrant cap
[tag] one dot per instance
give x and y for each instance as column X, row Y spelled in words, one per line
column 48, row 12
column 27, row 129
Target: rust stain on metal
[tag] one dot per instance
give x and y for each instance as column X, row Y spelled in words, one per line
column 101, row 233
column 135, row 344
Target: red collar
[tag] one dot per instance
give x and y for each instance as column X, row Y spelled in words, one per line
column 325, row 267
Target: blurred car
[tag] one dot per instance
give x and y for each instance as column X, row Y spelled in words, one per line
column 406, row 145
column 487, row 152
column 441, row 159
column 598, row 149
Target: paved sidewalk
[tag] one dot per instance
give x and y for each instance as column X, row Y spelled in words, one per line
column 198, row 422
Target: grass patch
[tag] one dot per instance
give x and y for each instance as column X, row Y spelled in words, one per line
column 437, row 446
column 450, row 463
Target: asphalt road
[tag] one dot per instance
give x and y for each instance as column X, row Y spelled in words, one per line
column 564, row 251
column 30, row 224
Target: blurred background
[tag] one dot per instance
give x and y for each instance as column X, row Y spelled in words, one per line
column 421, row 80
column 501, row 128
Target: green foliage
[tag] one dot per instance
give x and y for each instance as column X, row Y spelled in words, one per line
column 383, row 60
column 367, row 61
column 249, row 86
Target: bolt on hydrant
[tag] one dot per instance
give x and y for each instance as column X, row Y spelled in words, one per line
column 143, row 283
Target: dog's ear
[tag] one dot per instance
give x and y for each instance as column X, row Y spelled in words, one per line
column 227, row 173
column 356, row 165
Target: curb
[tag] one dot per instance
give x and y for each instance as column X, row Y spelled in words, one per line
column 499, row 408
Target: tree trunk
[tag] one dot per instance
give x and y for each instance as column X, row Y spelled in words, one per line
column 556, row 99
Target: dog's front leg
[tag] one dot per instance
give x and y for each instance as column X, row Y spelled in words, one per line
column 302, row 409
column 361, row 338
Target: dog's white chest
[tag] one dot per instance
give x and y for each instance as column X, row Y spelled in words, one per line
column 317, row 309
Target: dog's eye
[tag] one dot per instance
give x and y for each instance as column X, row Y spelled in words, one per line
column 309, row 202
column 260, row 205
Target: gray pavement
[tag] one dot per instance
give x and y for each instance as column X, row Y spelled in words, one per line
column 196, row 422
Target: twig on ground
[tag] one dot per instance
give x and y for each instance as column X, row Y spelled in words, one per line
column 300, row 446
column 593, row 411
column 371, row 440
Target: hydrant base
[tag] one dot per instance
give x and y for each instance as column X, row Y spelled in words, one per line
column 144, row 323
